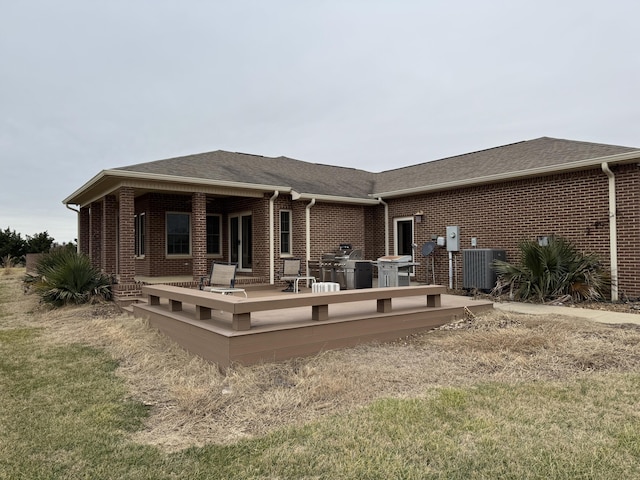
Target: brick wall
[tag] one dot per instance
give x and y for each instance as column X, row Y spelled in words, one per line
column 628, row 220
column 156, row 205
column 109, row 241
column 95, row 234
column 126, row 247
column 571, row 205
column 156, row 263
column 83, row 235
column 199, row 235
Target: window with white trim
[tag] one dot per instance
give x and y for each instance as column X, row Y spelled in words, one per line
column 178, row 234
column 214, row 239
column 285, row 233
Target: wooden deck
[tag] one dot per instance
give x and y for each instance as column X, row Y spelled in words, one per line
column 271, row 325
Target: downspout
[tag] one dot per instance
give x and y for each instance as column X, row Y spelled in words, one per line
column 308, row 231
column 386, row 226
column 272, row 262
column 613, row 231
column 77, row 224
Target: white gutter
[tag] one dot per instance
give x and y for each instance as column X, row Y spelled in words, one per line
column 332, row 198
column 308, row 231
column 581, row 164
column 272, row 262
column 77, row 224
column 386, row 226
column 613, row 231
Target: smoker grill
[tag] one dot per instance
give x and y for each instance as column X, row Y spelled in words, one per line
column 338, row 266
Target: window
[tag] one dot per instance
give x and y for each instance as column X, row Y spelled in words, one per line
column 214, row 244
column 285, row 232
column 139, row 234
column 178, row 234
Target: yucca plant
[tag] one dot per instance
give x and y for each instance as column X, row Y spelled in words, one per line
column 551, row 271
column 67, row 277
column 7, row 262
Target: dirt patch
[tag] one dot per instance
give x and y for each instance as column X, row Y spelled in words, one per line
column 192, row 403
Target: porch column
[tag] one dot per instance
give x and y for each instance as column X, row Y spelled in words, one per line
column 109, row 229
column 83, row 230
column 199, row 245
column 95, row 234
column 126, row 240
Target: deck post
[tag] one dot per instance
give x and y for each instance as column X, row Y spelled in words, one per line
column 203, row 313
column 175, row 305
column 320, row 313
column 384, row 305
column 241, row 321
column 154, row 300
column 433, row 301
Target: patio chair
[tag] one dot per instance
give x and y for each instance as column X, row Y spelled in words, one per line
column 222, row 279
column 290, row 272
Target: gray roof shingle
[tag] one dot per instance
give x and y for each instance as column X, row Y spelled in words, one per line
column 513, row 158
column 312, row 178
column 304, row 177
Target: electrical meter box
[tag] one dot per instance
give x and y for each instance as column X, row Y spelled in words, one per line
column 453, row 239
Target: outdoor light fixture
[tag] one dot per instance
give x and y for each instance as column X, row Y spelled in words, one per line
column 418, row 216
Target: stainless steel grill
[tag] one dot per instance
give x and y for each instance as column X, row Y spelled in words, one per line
column 395, row 270
column 335, row 266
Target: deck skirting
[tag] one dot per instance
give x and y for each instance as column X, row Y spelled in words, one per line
column 290, row 329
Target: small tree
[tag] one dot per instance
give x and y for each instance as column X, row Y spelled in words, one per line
column 551, row 271
column 39, row 243
column 12, row 244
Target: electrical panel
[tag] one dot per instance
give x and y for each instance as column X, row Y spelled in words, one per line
column 453, row 239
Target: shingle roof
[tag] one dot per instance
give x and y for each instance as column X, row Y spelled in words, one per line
column 312, row 178
column 304, row 177
column 514, row 158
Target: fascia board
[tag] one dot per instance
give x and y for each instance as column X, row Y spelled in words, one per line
column 501, row 177
column 86, row 186
column 168, row 179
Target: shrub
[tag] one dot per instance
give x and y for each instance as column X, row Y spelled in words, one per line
column 67, row 277
column 552, row 271
column 8, row 261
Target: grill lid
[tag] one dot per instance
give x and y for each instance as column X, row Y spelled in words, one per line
column 396, row 258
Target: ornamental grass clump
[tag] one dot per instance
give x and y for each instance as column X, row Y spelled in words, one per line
column 67, row 277
column 552, row 271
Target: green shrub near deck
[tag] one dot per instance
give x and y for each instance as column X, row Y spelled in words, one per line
column 546, row 272
column 67, row 277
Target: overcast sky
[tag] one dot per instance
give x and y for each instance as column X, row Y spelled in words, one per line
column 88, row 85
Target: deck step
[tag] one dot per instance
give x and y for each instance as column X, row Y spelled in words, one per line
column 127, row 305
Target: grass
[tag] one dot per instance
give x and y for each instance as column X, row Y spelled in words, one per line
column 88, row 393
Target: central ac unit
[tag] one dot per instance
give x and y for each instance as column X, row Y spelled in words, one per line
column 477, row 268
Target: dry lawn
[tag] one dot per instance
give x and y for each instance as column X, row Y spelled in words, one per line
column 192, row 403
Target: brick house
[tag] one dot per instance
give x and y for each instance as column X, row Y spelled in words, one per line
column 171, row 218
